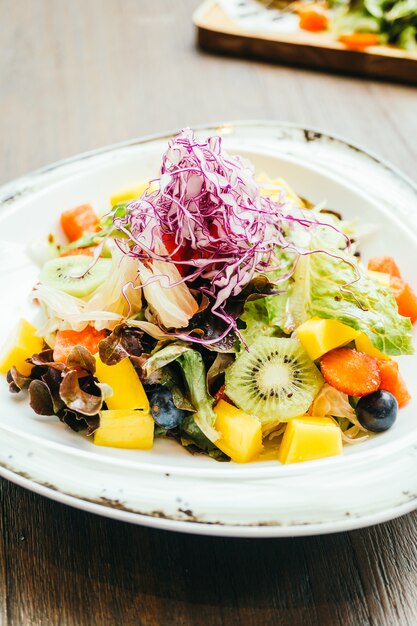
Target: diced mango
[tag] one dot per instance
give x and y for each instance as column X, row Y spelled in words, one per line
column 129, row 193
column 240, row 433
column 122, row 428
column 310, row 438
column 319, row 336
column 128, row 391
column 273, row 189
column 363, row 344
column 380, row 277
column 20, row 346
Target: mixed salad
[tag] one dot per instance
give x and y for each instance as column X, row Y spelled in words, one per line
column 359, row 24
column 216, row 309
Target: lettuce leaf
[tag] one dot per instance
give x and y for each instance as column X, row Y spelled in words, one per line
column 216, row 371
column 323, row 287
column 68, row 391
column 194, row 371
column 395, row 21
column 265, row 316
column 192, row 438
column 268, row 315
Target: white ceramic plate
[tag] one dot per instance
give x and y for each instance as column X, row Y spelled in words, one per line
column 166, row 487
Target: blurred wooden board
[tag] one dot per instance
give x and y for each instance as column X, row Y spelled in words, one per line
column 216, row 32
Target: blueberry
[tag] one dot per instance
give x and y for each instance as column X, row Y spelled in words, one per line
column 377, row 411
column 163, row 409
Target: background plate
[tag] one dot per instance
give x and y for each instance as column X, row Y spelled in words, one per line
column 254, row 30
column 167, row 487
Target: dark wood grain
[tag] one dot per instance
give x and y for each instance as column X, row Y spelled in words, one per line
column 3, row 563
column 78, row 75
column 69, row 567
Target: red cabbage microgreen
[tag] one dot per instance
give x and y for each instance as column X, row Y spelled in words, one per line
column 222, row 231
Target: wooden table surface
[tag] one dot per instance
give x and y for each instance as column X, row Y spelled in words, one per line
column 78, row 75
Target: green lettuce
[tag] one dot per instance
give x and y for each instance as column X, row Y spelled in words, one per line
column 266, row 316
column 269, row 315
column 395, row 21
column 193, row 438
column 324, row 287
column 194, row 372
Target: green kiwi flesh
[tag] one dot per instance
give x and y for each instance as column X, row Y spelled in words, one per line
column 275, row 380
column 76, row 275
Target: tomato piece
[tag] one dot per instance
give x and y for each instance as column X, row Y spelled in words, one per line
column 220, row 395
column 182, row 254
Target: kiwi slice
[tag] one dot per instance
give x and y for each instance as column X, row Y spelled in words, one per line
column 74, row 275
column 274, row 380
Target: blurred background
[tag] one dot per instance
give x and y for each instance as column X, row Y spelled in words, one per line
column 82, row 74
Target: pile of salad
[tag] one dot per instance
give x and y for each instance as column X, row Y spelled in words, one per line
column 359, row 24
column 216, row 309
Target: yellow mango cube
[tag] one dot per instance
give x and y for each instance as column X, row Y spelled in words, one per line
column 122, row 428
column 128, row 391
column 364, row 344
column 318, row 336
column 273, row 189
column 310, row 438
column 380, row 277
column 22, row 343
column 129, row 193
column 240, row 433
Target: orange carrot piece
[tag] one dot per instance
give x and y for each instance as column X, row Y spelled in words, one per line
column 88, row 250
column 385, row 264
column 405, row 297
column 79, row 220
column 313, row 20
column 359, row 41
column 351, row 372
column 392, row 381
column 66, row 340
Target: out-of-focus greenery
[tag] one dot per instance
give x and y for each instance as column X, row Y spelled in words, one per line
column 394, row 20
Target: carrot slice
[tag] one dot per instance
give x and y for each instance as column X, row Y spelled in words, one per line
column 313, row 20
column 392, row 381
column 405, row 297
column 66, row 340
column 79, row 220
column 385, row 264
column 359, row 41
column 88, row 250
column 354, row 373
